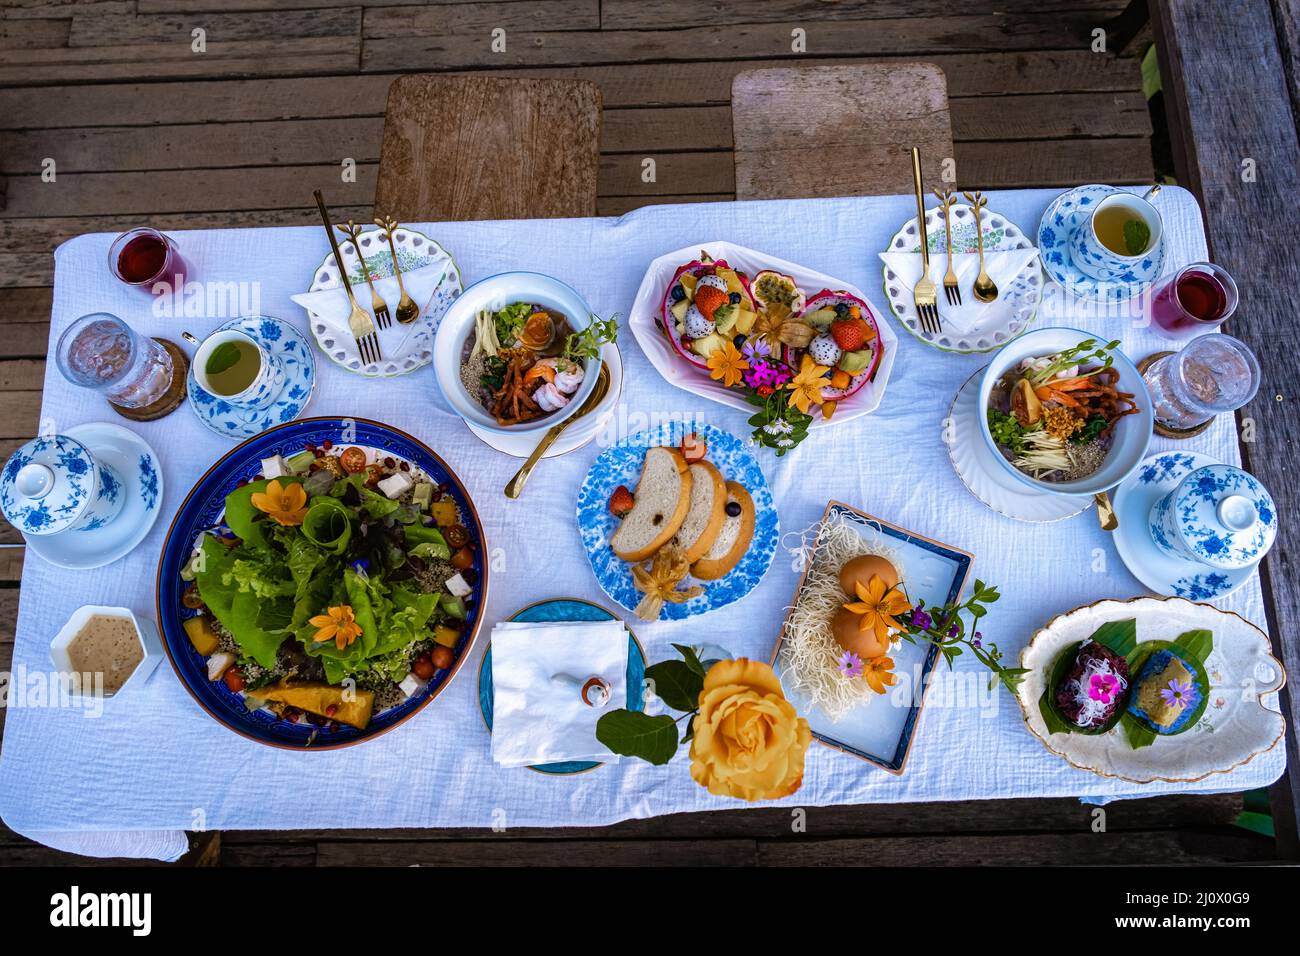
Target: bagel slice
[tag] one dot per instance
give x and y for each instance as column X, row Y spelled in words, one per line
column 707, row 511
column 660, row 505
column 733, row 539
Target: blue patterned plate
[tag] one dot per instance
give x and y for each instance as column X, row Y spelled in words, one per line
column 290, row 346
column 882, row 732
column 1068, row 212
column 621, row 465
column 137, row 465
column 203, row 509
column 566, row 609
column 1162, row 573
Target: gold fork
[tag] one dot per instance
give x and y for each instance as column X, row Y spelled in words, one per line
column 950, row 287
column 925, row 293
column 407, row 310
column 377, row 303
column 359, row 322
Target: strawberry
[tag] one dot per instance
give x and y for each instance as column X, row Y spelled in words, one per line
column 850, row 334
column 620, row 502
column 694, row 448
column 708, row 298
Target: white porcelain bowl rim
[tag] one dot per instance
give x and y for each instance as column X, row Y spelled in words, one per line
column 455, row 325
column 1126, row 453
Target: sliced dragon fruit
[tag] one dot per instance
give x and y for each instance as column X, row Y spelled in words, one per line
column 676, row 335
column 828, row 299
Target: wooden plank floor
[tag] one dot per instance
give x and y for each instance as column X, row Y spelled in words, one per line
column 142, row 126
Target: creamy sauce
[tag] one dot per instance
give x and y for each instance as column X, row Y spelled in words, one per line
column 106, row 644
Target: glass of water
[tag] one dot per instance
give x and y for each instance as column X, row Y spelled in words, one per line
column 102, row 352
column 1212, row 375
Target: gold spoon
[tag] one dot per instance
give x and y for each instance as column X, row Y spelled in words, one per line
column 986, row 289
column 1105, row 511
column 515, row 487
column 407, row 310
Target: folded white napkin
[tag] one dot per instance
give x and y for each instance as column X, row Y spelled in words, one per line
column 537, row 719
column 1002, row 268
column 333, row 307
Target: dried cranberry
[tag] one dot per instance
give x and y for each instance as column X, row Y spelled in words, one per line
column 405, row 466
column 390, row 463
column 327, row 444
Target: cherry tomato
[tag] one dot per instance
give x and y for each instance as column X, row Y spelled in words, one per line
column 422, row 668
column 462, row 559
column 441, row 657
column 457, row 536
column 353, row 460
column 234, row 680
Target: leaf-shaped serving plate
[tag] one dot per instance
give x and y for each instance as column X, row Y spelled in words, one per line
column 1240, row 722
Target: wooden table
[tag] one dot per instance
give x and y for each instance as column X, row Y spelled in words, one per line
column 143, row 130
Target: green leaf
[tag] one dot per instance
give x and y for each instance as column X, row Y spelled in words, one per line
column 1056, row 724
column 677, row 684
column 1139, row 734
column 1137, row 236
column 1119, row 636
column 224, row 356
column 631, row 733
column 328, row 524
column 1197, row 644
column 690, row 729
column 692, row 660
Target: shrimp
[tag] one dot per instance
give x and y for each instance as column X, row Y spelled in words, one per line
column 569, row 378
column 549, row 398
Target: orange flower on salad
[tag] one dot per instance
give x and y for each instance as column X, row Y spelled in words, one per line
column 286, row 504
column 338, row 624
column 878, row 605
column 807, row 385
column 878, row 672
column 727, row 365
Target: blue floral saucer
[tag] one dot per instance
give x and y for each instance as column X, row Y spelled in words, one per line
column 291, row 347
column 566, row 609
column 138, row 468
column 621, row 465
column 1162, row 573
column 1067, row 213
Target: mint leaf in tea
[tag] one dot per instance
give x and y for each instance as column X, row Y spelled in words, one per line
column 1121, row 230
column 232, row 366
column 1136, row 236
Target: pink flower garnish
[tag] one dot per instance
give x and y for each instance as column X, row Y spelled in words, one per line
column 850, row 664
column 1102, row 687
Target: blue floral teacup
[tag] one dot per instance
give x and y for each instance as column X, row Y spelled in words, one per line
column 1218, row 516
column 1092, row 257
column 266, row 384
column 53, row 484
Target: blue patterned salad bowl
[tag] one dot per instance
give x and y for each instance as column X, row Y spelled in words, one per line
column 203, row 509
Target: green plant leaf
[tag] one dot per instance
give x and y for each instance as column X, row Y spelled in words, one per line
column 1137, row 235
column 677, row 684
column 1118, row 636
column 631, row 733
column 1055, row 723
column 1139, row 734
column 1197, row 644
column 224, row 356
column 692, row 660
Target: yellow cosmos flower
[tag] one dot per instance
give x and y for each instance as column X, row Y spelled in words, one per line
column 807, row 385
column 879, row 673
column 727, row 365
column 286, row 504
column 338, row 624
column 878, row 605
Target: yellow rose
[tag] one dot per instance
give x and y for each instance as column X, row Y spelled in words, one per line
column 749, row 742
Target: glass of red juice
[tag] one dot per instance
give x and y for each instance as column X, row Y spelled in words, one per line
column 144, row 256
column 1197, row 297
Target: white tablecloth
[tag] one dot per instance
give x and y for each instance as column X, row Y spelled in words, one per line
column 156, row 762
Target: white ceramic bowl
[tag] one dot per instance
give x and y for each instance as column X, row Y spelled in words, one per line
column 496, row 292
column 146, row 632
column 1130, row 437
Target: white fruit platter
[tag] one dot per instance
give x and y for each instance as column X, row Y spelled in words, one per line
column 761, row 297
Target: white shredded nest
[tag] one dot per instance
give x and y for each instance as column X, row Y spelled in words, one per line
column 810, row 654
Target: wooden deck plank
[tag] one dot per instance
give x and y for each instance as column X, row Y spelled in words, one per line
column 480, row 19
column 650, row 14
column 686, row 84
column 134, row 30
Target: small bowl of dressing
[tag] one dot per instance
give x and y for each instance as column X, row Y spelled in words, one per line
column 111, row 648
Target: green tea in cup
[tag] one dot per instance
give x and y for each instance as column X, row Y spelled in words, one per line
column 232, row 366
column 1121, row 229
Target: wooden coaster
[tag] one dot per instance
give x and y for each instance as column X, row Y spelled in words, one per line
column 174, row 395
column 1164, row 430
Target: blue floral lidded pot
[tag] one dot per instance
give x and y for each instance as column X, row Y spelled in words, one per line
column 53, row 484
column 1218, row 516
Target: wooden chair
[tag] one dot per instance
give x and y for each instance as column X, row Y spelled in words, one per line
column 470, row 147
column 838, row 130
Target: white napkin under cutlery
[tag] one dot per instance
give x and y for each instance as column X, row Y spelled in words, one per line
column 1002, row 267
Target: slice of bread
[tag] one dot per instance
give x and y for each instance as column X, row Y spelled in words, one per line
column 733, row 539
column 661, row 502
column 708, row 509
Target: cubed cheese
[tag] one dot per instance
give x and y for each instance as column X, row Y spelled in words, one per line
column 275, row 467
column 458, row 587
column 394, row 486
column 410, row 685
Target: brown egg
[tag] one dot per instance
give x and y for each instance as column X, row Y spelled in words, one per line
column 863, row 643
column 863, row 569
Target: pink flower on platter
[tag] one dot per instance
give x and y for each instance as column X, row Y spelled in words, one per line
column 1102, row 687
column 850, row 664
